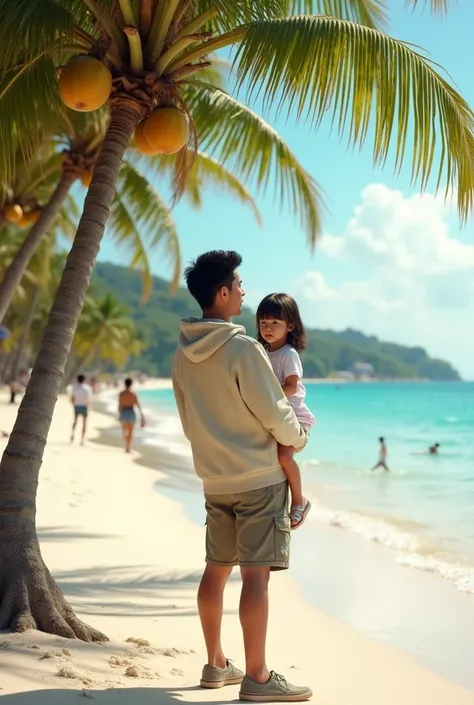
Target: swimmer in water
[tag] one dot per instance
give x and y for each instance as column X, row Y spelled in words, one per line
column 382, row 461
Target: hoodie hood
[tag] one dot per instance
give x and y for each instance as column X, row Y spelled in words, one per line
column 202, row 337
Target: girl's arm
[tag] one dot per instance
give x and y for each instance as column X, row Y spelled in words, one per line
column 291, row 385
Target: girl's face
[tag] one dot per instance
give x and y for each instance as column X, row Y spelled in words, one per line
column 274, row 331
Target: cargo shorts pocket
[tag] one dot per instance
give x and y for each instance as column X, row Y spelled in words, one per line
column 282, row 539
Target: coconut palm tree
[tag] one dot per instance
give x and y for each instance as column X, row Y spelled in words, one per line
column 140, row 219
column 51, row 172
column 146, row 61
column 105, row 331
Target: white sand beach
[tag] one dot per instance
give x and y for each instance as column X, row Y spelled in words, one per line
column 129, row 561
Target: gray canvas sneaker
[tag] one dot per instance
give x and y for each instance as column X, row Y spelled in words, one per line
column 276, row 689
column 215, row 677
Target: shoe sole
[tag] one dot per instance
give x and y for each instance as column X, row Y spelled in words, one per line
column 221, row 684
column 280, row 698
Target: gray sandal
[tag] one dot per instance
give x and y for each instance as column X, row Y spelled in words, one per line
column 298, row 514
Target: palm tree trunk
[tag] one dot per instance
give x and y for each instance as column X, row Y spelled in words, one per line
column 15, row 271
column 6, row 362
column 20, row 352
column 29, row 596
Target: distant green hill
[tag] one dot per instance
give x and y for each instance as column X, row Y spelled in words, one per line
column 327, row 351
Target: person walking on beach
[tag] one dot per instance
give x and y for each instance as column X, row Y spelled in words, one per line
column 128, row 400
column 234, row 413
column 81, row 397
column 281, row 332
column 382, row 461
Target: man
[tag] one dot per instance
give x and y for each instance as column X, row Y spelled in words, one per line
column 382, row 461
column 81, row 397
column 433, row 450
column 234, row 412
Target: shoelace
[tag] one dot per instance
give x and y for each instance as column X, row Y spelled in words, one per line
column 281, row 680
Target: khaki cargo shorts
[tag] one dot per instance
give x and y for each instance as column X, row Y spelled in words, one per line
column 249, row 528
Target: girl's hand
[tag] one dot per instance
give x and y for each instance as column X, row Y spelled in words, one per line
column 142, row 422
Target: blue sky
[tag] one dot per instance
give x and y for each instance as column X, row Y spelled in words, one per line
column 389, row 263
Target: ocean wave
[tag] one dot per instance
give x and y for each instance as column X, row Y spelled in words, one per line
column 461, row 576
column 370, row 528
column 411, row 550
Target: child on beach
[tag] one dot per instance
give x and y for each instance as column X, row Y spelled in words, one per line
column 280, row 330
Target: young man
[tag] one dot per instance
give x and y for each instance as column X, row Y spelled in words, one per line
column 234, row 413
column 81, row 397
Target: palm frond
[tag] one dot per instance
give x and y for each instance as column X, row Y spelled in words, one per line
column 253, row 150
column 371, row 13
column 205, row 172
column 229, row 13
column 141, row 222
column 34, row 93
column 312, row 65
column 31, row 27
column 42, row 172
column 437, row 6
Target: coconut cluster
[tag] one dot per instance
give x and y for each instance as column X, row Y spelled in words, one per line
column 15, row 214
column 85, row 84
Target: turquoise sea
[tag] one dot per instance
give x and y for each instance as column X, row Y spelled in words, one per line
column 424, row 507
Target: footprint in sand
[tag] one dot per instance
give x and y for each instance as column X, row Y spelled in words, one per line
column 144, row 647
column 176, row 672
column 119, row 661
column 64, row 653
column 74, row 674
column 140, row 672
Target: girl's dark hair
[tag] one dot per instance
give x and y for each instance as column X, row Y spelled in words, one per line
column 283, row 307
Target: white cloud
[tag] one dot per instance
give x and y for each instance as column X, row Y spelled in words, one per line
column 410, row 279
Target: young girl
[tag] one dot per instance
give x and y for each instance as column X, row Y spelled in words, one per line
column 281, row 332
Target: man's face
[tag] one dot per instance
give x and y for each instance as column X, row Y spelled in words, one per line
column 236, row 295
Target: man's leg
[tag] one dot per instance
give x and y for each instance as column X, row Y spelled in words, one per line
column 84, row 427
column 263, row 540
column 254, row 620
column 210, row 605
column 74, row 426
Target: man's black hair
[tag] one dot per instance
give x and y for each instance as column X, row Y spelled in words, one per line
column 80, row 378
column 209, row 273
column 381, row 439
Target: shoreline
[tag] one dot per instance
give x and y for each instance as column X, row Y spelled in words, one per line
column 445, row 581
column 128, row 559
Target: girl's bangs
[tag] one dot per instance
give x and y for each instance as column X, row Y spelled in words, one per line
column 271, row 309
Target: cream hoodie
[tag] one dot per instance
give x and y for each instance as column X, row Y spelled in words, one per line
column 232, row 408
